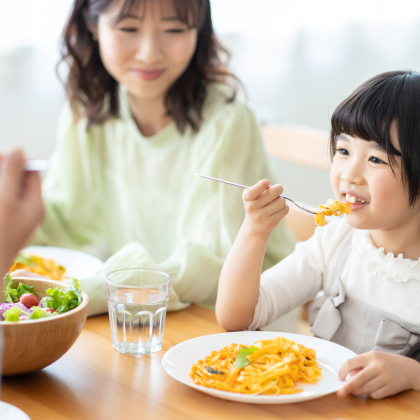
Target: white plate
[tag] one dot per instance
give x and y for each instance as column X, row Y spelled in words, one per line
column 178, row 360
column 77, row 264
column 10, row 412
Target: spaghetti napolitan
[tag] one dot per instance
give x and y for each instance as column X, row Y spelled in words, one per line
column 332, row 208
column 269, row 367
column 42, row 266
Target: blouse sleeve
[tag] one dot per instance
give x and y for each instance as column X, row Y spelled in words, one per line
column 70, row 190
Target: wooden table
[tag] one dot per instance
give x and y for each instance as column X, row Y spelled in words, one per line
column 93, row 381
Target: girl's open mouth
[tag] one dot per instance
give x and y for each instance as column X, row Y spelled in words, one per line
column 356, row 202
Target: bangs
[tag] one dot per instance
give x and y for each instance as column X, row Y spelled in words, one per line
column 187, row 11
column 369, row 113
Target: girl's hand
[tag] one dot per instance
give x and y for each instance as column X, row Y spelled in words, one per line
column 21, row 207
column 379, row 375
column 264, row 208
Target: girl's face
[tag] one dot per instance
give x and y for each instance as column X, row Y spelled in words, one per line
column 148, row 49
column 361, row 171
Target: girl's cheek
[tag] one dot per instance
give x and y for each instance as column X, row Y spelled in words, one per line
column 335, row 179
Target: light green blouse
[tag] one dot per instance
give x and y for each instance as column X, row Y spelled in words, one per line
column 139, row 196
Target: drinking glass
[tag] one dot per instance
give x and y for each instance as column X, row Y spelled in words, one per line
column 137, row 302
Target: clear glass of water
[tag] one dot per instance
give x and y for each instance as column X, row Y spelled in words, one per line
column 137, row 301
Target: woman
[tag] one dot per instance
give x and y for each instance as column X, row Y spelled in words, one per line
column 150, row 103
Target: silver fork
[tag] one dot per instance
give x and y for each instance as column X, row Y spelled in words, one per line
column 244, row 186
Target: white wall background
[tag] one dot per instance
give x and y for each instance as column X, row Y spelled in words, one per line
column 297, row 59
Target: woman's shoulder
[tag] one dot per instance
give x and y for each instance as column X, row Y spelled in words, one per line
column 222, row 103
column 74, row 125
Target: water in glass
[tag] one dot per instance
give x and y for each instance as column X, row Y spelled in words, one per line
column 137, row 320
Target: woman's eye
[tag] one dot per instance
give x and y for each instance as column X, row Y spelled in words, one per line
column 175, row 31
column 128, row 29
column 376, row 160
column 343, row 151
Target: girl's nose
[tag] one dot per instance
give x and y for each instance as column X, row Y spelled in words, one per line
column 352, row 174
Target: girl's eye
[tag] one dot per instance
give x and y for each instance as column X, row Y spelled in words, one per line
column 343, row 151
column 376, row 160
column 128, row 29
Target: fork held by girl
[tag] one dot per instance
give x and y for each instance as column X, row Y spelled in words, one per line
column 367, row 264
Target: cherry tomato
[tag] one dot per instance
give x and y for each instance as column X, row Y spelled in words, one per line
column 49, row 310
column 29, row 300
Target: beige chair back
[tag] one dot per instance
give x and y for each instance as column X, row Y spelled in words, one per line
column 304, row 146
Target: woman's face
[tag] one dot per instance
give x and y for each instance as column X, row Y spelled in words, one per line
column 148, row 49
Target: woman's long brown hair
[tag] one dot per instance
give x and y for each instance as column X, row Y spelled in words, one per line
column 93, row 92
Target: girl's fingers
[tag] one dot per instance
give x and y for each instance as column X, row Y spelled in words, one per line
column 276, row 205
column 357, row 381
column 280, row 214
column 357, row 362
column 256, row 190
column 355, row 371
column 369, row 387
column 270, row 195
column 262, row 194
column 383, row 392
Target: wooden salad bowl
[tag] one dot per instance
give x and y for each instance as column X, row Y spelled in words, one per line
column 29, row 346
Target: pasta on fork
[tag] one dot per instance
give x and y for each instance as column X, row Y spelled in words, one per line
column 332, row 208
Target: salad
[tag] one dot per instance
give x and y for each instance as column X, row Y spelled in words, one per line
column 21, row 303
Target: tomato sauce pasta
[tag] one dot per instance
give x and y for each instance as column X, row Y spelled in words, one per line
column 269, row 367
column 42, row 266
column 332, row 208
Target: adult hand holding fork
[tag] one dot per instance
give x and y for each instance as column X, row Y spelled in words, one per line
column 21, row 206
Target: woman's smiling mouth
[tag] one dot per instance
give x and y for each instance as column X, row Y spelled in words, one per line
column 148, row 74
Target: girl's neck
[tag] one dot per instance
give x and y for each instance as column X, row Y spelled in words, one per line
column 398, row 241
column 150, row 115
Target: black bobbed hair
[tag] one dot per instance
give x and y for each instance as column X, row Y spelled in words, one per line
column 370, row 112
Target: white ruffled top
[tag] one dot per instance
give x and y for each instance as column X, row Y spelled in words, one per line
column 382, row 280
column 385, row 266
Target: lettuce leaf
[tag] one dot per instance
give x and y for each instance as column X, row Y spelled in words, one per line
column 63, row 300
column 12, row 315
column 24, row 288
column 12, row 294
column 38, row 313
column 9, row 292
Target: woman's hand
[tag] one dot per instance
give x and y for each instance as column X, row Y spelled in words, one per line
column 21, row 207
column 264, row 208
column 379, row 375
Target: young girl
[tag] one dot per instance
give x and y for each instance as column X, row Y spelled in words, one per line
column 367, row 264
column 150, row 103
